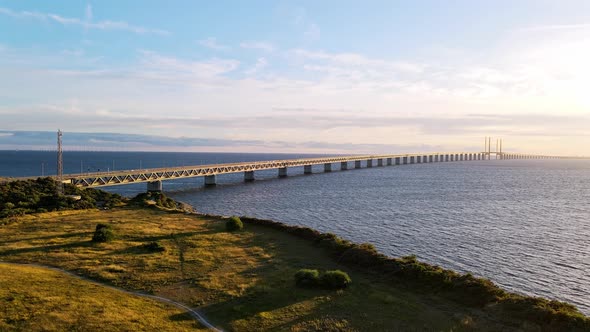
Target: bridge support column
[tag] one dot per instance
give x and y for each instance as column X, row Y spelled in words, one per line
column 405, row 160
column 344, row 166
column 248, row 176
column 283, row 172
column 398, row 160
column 210, row 180
column 357, row 164
column 327, row 167
column 154, row 186
column 380, row 162
column 431, row 159
column 436, row 158
column 369, row 163
column 412, row 159
column 307, row 169
column 418, row 159
column 389, row 161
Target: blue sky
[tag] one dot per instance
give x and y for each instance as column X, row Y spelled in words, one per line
column 306, row 76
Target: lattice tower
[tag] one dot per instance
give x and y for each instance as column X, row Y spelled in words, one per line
column 60, row 165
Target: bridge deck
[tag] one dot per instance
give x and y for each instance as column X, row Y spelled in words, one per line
column 100, row 179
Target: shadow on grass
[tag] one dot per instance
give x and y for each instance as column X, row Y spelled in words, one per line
column 61, row 236
column 168, row 236
column 18, row 251
column 135, row 250
column 181, row 317
column 262, row 297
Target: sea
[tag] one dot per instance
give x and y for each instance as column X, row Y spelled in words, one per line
column 524, row 224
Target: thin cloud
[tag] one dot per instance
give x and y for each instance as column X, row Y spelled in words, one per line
column 258, row 45
column 106, row 141
column 88, row 13
column 85, row 23
column 261, row 63
column 205, row 68
column 213, row 44
column 554, row 27
column 312, row 32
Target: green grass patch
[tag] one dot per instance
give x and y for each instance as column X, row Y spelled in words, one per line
column 243, row 281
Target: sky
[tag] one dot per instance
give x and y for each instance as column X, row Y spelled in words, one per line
column 296, row 76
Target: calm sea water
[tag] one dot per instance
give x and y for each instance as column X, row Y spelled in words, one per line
column 525, row 224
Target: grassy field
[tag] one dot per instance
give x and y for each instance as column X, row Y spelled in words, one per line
column 37, row 299
column 241, row 281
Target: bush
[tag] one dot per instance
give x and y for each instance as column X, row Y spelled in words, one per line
column 335, row 279
column 103, row 233
column 154, row 247
column 330, row 279
column 234, row 224
column 307, row 278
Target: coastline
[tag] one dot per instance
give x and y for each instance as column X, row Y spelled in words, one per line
column 465, row 289
column 274, row 251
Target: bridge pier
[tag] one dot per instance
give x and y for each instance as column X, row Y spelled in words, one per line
column 327, row 167
column 283, row 172
column 380, row 162
column 412, row 159
column 389, row 161
column 210, row 180
column 418, row 159
column 248, row 176
column 307, row 169
column 357, row 164
column 154, row 186
column 369, row 163
column 431, row 159
column 398, row 160
column 344, row 166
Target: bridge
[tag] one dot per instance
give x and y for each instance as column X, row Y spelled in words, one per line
column 154, row 176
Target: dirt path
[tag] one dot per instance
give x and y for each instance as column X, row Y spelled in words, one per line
column 194, row 313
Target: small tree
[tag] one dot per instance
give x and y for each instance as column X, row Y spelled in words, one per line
column 307, row 278
column 103, row 233
column 335, row 279
column 234, row 224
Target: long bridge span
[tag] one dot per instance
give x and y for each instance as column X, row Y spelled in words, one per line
column 154, row 176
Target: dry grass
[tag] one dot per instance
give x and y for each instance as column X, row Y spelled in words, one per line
column 242, row 281
column 37, row 299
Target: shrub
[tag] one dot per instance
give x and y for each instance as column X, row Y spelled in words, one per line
column 335, row 279
column 307, row 278
column 234, row 224
column 103, row 233
column 154, row 247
